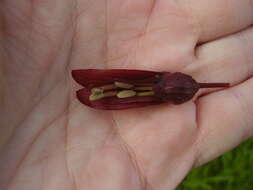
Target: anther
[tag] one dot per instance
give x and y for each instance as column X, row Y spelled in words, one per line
column 126, row 94
column 97, row 96
column 123, row 85
column 143, row 88
column 147, row 93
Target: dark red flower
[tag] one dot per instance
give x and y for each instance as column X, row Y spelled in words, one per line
column 117, row 89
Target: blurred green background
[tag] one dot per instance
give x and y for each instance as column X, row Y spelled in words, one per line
column 231, row 171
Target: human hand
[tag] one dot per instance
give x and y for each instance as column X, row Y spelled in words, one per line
column 57, row 143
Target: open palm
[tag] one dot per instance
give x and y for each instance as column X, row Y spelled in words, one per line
column 58, row 143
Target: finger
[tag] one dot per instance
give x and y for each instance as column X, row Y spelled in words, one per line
column 225, row 120
column 151, row 32
column 229, row 59
column 219, row 18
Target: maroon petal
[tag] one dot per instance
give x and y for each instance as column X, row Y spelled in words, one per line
column 114, row 103
column 95, row 77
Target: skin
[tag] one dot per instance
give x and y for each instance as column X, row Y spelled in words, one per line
column 51, row 141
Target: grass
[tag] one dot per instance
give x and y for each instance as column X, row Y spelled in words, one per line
column 231, row 171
